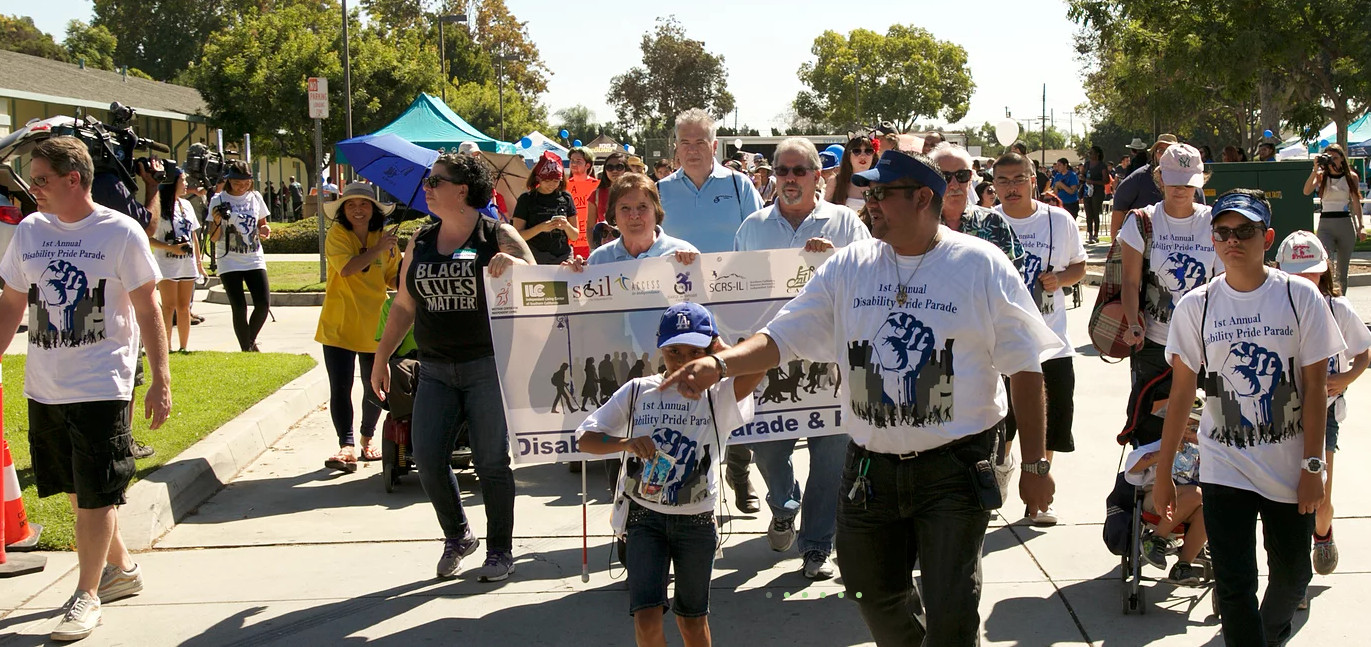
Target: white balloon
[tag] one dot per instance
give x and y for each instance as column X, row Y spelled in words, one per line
column 737, row 143
column 632, row 149
column 1006, row 131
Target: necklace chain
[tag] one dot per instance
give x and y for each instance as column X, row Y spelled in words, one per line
column 902, row 292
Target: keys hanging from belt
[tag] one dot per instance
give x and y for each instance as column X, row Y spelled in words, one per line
column 861, row 486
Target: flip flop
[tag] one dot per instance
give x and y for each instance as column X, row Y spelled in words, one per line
column 341, row 463
column 370, row 453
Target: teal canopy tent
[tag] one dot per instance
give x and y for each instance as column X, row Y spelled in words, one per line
column 428, row 122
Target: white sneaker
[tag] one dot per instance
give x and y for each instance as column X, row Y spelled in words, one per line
column 81, row 618
column 1005, row 472
column 116, row 584
column 1046, row 517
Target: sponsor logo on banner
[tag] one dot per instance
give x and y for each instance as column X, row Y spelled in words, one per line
column 544, row 293
column 594, row 289
column 637, row 287
column 800, row 280
column 683, row 284
column 732, row 282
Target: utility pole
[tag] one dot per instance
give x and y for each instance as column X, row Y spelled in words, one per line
column 501, row 58
column 442, row 45
column 1042, row 150
column 347, row 79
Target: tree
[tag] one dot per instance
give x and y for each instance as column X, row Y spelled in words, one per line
column 90, row 43
column 677, row 74
column 497, row 31
column 163, row 37
column 19, row 34
column 577, row 120
column 900, row 76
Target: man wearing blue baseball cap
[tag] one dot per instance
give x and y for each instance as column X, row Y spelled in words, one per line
column 921, row 321
column 1258, row 342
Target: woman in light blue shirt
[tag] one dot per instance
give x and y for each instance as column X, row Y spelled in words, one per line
column 635, row 209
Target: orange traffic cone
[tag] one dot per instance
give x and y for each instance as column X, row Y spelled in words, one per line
column 20, row 535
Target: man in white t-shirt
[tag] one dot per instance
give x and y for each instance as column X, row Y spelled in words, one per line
column 921, row 323
column 800, row 218
column 1258, row 342
column 1181, row 258
column 1054, row 259
column 87, row 277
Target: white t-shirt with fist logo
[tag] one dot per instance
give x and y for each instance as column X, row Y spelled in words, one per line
column 1182, row 259
column 1254, row 345
column 1051, row 242
column 240, row 248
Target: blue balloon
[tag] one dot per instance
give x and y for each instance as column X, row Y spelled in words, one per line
column 576, row 142
column 563, row 134
column 625, row 146
column 525, row 143
column 1323, row 143
column 1266, row 133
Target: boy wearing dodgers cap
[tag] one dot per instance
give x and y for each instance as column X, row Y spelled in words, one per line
column 673, row 447
column 1258, row 341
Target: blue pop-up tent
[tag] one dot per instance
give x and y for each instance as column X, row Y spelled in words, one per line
column 428, row 122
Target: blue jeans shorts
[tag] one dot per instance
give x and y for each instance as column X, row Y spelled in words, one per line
column 1330, row 434
column 658, row 541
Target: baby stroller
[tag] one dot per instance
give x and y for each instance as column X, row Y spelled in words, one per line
column 1129, row 525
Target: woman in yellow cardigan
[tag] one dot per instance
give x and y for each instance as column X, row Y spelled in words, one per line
column 363, row 261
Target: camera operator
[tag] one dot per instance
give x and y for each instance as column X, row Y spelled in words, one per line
column 239, row 221
column 1340, row 220
column 177, row 253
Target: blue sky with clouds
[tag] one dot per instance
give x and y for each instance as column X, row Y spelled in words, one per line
column 1013, row 47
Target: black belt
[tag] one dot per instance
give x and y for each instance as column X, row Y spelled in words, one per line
column 986, row 437
column 1336, row 214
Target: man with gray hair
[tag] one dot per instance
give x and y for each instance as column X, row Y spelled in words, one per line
column 800, row 219
column 704, row 201
column 88, row 304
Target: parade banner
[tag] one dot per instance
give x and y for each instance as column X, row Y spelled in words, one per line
column 566, row 341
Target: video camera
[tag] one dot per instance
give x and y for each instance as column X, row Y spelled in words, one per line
column 204, row 167
column 112, row 147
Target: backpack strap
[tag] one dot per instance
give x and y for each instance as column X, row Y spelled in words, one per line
column 1204, row 346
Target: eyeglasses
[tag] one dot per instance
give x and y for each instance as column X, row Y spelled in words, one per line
column 433, row 181
column 1017, row 180
column 990, row 189
column 963, row 176
column 880, row 193
column 1244, row 232
column 615, row 167
column 799, row 171
column 41, row 181
column 863, row 151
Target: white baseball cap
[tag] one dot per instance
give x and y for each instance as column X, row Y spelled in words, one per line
column 1181, row 165
column 1302, row 253
column 469, row 148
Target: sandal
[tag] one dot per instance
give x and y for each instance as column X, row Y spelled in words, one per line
column 343, row 461
column 370, row 453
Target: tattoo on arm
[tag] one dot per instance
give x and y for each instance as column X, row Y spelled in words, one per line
column 513, row 244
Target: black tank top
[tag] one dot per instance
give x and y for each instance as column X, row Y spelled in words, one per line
column 450, row 317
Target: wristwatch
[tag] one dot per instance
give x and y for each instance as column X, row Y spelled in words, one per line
column 1313, row 465
column 723, row 368
column 1040, row 467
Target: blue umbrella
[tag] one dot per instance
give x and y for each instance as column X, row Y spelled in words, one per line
column 393, row 164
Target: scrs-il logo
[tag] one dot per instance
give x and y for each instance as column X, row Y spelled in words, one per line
column 545, row 293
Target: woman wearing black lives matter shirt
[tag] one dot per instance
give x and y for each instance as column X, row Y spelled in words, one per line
column 443, row 299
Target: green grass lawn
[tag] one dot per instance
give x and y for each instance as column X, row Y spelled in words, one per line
column 294, row 276
column 208, row 389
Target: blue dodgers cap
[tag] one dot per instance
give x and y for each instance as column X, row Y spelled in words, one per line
column 827, row 160
column 1250, row 207
column 895, row 165
column 686, row 323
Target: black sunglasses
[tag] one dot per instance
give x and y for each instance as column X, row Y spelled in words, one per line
column 1243, row 232
column 799, row 171
column 962, row 176
column 879, row 193
column 864, row 150
column 616, row 167
column 433, row 181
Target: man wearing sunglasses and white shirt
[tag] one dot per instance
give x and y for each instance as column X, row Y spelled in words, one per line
column 800, row 219
column 1257, row 340
column 921, row 323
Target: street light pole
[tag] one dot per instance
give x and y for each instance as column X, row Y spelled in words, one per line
column 501, row 58
column 347, row 78
column 442, row 46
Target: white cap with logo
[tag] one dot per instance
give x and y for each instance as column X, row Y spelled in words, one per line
column 1181, row 165
column 1302, row 253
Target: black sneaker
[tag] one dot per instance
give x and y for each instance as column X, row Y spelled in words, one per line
column 142, row 451
column 1186, row 574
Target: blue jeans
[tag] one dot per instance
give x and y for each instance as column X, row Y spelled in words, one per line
column 920, row 509
column 1230, row 519
column 657, row 541
column 447, row 394
column 818, row 507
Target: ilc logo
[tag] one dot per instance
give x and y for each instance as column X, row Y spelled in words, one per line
column 593, row 289
column 545, row 293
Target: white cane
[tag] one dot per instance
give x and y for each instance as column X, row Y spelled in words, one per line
column 585, row 551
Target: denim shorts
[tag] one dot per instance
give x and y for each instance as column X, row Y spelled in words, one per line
column 1330, row 433
column 658, row 541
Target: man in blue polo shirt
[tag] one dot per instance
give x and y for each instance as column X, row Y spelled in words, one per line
column 1067, row 184
column 704, row 201
column 800, row 219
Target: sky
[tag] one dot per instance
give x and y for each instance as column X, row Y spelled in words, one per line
column 1013, row 47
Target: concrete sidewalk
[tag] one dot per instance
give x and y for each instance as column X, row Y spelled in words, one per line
column 293, row 553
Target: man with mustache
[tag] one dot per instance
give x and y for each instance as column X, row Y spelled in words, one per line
column 799, row 218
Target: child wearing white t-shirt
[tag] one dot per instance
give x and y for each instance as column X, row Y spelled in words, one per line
column 1303, row 255
column 670, row 483
column 1258, row 340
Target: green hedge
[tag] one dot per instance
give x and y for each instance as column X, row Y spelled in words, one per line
column 302, row 236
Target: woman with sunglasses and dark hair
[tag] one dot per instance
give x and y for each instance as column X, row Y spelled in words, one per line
column 986, row 196
column 1340, row 220
column 546, row 215
column 442, row 297
column 615, row 167
column 858, row 156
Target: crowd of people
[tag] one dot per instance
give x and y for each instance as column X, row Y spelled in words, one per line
column 933, row 252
